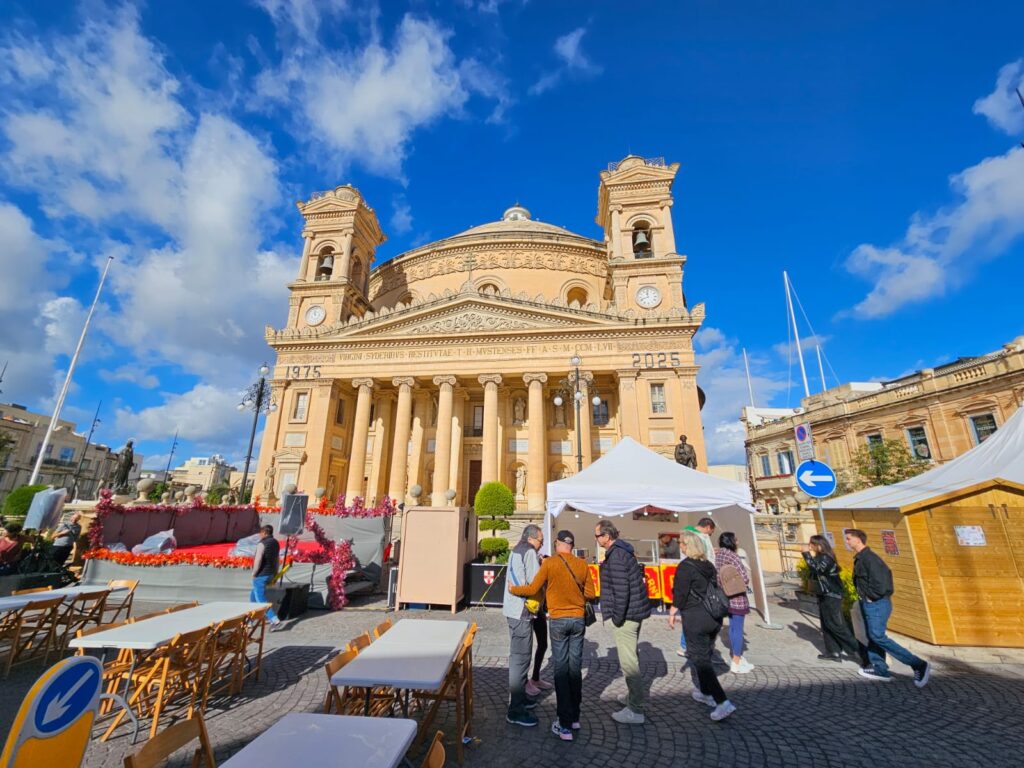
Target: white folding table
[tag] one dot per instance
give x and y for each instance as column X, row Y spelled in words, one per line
column 17, row 602
column 312, row 741
column 150, row 634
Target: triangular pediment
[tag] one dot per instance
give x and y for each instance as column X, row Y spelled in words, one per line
column 472, row 315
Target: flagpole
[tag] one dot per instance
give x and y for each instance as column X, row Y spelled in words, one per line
column 750, row 388
column 796, row 335
column 67, row 379
column 821, row 369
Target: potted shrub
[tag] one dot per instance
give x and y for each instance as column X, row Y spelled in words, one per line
column 494, row 504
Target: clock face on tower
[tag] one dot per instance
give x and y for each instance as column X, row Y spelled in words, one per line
column 315, row 314
column 648, row 297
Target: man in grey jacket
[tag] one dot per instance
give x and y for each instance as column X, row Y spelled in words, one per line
column 523, row 564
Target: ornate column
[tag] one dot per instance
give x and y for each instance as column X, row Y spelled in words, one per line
column 489, row 465
column 360, row 429
column 458, row 420
column 586, row 414
column 379, row 458
column 442, row 440
column 346, row 254
column 420, row 418
column 397, row 487
column 307, row 247
column 616, row 233
column 536, row 468
column 666, row 222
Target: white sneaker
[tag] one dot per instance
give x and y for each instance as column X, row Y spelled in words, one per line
column 701, row 698
column 681, row 652
column 628, row 717
column 741, row 668
column 723, row 710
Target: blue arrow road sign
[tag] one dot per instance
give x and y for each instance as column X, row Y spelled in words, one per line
column 816, row 479
column 66, row 697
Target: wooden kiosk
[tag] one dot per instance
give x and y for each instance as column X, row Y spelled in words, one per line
column 437, row 542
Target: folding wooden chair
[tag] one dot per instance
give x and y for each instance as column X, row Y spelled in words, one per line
column 182, row 607
column 361, row 641
column 170, row 740
column 381, row 628
column 351, row 700
column 31, row 591
column 435, row 755
column 114, row 670
column 255, row 633
column 83, row 610
column 119, row 602
column 225, row 654
column 29, row 632
column 456, row 689
column 150, row 615
column 175, row 669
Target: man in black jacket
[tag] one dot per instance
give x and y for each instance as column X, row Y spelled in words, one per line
column 624, row 600
column 873, row 580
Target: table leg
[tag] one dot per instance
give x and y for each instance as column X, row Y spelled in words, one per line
column 366, row 708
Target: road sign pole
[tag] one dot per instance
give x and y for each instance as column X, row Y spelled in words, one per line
column 821, row 514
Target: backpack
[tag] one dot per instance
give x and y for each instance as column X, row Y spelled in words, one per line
column 715, row 602
column 732, row 581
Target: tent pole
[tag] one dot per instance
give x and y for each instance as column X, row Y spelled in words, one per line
column 765, row 610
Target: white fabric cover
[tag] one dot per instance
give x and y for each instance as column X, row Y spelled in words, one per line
column 631, row 477
column 999, row 457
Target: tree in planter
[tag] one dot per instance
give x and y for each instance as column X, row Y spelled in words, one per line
column 18, row 501
column 881, row 463
column 494, row 503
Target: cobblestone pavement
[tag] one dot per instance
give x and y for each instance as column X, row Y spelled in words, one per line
column 793, row 709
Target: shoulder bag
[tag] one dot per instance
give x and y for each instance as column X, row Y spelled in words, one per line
column 589, row 616
column 714, row 600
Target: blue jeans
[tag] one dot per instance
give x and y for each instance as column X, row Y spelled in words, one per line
column 736, row 633
column 567, row 656
column 259, row 595
column 876, row 616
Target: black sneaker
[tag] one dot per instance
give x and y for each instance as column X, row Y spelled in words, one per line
column 526, row 720
column 871, row 674
column 922, row 674
column 530, row 703
column 830, row 657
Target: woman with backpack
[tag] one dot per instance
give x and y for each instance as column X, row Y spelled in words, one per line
column 733, row 578
column 697, row 596
column 835, row 628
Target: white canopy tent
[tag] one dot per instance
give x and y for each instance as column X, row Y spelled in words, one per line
column 1000, row 458
column 630, row 478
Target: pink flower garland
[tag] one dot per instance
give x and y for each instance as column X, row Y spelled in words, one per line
column 339, row 555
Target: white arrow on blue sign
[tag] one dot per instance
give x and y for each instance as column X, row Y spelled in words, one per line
column 816, row 479
column 69, row 694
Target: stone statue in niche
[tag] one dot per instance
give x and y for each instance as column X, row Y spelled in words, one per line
column 520, row 482
column 519, row 411
column 564, row 473
column 560, row 415
column 268, row 481
column 433, row 411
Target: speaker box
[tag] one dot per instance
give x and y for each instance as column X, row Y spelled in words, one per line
column 293, row 513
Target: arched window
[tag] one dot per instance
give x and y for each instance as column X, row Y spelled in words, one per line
column 578, row 295
column 643, row 243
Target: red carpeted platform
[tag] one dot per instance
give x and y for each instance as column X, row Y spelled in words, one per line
column 222, row 549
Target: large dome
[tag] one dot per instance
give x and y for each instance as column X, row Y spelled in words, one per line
column 515, row 221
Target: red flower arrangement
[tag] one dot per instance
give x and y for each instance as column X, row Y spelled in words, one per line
column 339, row 555
column 182, row 558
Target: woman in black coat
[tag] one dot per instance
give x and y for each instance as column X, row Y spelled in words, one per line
column 693, row 578
column 835, row 627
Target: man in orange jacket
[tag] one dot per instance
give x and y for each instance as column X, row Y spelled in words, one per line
column 569, row 585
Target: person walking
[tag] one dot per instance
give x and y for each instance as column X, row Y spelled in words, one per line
column 265, row 564
column 64, row 537
column 523, row 565
column 734, row 578
column 704, row 528
column 569, row 586
column 873, row 580
column 835, row 627
column 624, row 600
column 693, row 579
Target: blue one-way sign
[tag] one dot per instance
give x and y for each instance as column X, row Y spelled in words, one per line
column 816, row 479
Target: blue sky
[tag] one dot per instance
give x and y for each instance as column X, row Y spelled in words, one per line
column 871, row 152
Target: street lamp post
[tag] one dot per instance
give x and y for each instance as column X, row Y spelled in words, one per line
column 85, row 450
column 256, row 397
column 572, row 384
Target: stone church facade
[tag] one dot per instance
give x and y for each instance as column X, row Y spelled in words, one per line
column 459, row 362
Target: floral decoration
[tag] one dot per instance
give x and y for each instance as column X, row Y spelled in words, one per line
column 339, row 555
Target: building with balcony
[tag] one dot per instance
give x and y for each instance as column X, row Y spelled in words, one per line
column 939, row 413
column 203, row 472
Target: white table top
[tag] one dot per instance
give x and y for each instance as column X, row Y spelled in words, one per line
column 151, row 633
column 312, row 741
column 17, row 602
column 413, row 654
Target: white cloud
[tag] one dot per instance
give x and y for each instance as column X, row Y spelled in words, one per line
column 401, row 215
column 723, row 379
column 807, row 344
column 1003, row 107
column 131, row 373
column 940, row 250
column 303, row 17
column 574, row 62
column 205, row 415
column 363, row 105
